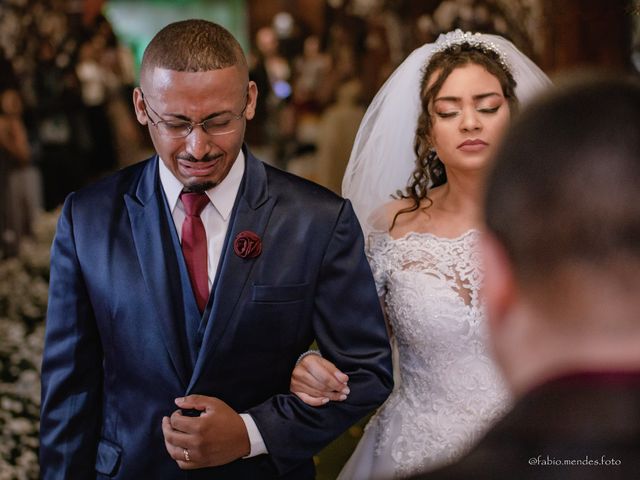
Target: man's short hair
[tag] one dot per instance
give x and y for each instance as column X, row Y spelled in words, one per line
column 193, row 46
column 565, row 187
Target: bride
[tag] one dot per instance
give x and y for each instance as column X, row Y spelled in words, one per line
column 451, row 101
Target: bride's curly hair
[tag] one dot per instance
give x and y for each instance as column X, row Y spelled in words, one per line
column 430, row 171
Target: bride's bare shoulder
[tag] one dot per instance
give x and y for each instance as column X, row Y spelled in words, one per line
column 386, row 218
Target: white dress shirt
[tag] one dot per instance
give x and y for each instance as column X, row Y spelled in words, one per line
column 215, row 218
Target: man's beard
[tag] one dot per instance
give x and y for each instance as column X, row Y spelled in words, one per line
column 199, row 187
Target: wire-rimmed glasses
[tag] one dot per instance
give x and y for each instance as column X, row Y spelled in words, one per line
column 221, row 124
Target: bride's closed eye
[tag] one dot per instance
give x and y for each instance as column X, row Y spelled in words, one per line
column 489, row 110
column 447, row 114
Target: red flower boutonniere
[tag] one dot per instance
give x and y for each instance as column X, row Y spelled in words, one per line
column 247, row 244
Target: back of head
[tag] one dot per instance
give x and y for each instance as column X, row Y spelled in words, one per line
column 565, row 189
column 193, row 46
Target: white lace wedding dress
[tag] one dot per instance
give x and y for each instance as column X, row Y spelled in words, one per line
column 449, row 391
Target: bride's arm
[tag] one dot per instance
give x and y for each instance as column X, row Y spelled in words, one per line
column 386, row 318
column 316, row 381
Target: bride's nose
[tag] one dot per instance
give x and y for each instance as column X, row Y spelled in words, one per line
column 470, row 120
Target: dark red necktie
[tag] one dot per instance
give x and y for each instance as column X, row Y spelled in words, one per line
column 194, row 245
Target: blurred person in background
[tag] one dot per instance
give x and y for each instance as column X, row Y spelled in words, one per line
column 336, row 132
column 310, row 71
column 274, row 127
column 20, row 188
column 61, row 138
column 97, row 84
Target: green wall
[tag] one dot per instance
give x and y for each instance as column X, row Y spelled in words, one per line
column 136, row 22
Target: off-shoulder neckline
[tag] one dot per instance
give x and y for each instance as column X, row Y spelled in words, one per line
column 408, row 235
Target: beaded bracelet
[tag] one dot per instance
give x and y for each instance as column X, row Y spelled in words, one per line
column 308, row 352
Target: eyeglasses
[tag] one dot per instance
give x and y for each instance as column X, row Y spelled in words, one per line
column 221, row 124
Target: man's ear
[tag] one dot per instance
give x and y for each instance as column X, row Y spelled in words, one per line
column 138, row 105
column 252, row 91
column 499, row 287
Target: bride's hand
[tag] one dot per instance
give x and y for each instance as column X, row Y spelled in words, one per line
column 316, row 380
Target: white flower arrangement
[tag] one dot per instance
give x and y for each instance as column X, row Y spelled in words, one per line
column 23, row 304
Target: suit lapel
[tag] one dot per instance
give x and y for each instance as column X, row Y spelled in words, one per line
column 252, row 212
column 152, row 238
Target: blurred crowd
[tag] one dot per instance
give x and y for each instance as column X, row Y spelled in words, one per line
column 314, row 87
column 65, row 116
column 310, row 104
column 66, row 83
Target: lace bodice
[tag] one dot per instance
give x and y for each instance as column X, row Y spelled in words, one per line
column 449, row 389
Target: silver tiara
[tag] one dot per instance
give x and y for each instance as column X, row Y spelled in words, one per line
column 477, row 40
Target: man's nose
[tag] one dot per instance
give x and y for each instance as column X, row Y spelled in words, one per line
column 198, row 142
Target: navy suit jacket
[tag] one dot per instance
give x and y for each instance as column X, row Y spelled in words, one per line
column 114, row 357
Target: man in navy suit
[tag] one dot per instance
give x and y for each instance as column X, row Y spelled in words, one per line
column 153, row 306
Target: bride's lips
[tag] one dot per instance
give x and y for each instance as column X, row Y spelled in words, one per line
column 198, row 169
column 473, row 145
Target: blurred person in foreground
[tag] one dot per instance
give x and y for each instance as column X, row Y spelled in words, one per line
column 195, row 279
column 562, row 257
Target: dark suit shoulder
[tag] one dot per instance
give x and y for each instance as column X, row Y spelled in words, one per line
column 290, row 188
column 119, row 182
column 95, row 205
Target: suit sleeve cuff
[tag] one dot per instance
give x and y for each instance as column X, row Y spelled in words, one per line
column 255, row 438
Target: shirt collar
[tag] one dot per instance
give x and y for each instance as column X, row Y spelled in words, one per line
column 222, row 196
